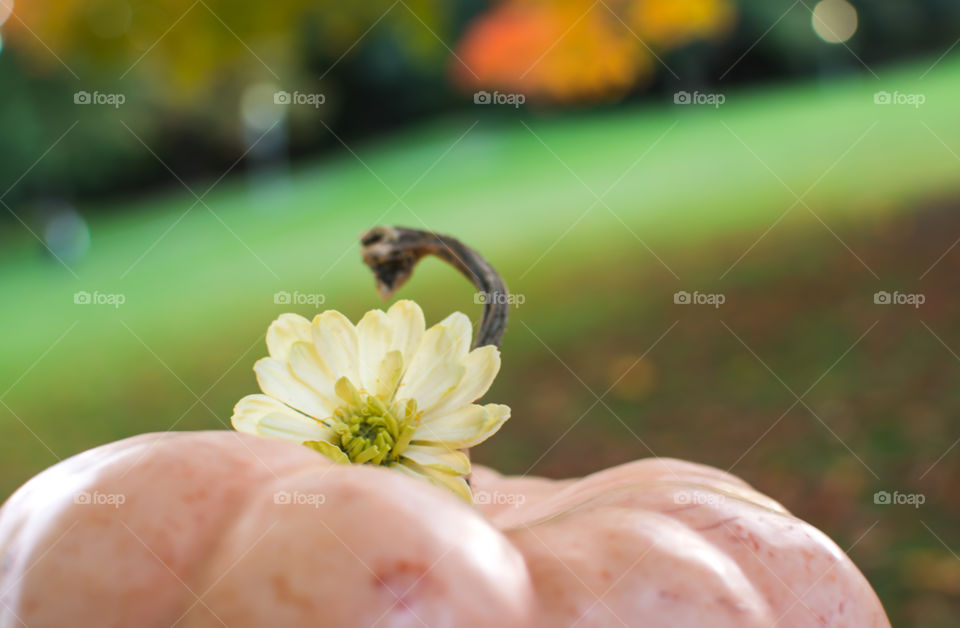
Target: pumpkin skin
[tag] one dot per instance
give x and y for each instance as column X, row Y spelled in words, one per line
column 203, row 538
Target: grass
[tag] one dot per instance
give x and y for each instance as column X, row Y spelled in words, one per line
column 515, row 188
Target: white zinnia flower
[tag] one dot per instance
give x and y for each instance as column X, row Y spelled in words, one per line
column 382, row 392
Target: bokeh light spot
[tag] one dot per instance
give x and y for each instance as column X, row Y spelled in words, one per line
column 259, row 108
column 66, row 233
column 834, row 21
column 6, row 8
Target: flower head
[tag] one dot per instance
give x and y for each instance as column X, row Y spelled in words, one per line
column 386, row 391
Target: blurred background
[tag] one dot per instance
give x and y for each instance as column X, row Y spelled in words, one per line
column 732, row 225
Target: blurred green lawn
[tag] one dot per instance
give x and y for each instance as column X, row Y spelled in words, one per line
column 704, row 184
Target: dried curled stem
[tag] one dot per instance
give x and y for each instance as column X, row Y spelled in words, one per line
column 392, row 252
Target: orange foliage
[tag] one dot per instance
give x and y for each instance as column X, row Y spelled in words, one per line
column 580, row 50
column 669, row 24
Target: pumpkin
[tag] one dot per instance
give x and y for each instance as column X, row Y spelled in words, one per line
column 221, row 528
column 217, row 528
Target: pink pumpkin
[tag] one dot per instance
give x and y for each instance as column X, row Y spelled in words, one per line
column 226, row 529
column 217, row 528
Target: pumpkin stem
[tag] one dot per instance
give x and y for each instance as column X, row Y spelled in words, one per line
column 392, row 252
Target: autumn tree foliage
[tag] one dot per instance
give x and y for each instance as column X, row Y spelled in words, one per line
column 192, row 48
column 580, row 50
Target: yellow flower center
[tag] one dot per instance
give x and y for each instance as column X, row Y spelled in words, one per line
column 368, row 429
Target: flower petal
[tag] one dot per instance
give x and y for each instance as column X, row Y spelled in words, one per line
column 265, row 416
column 283, row 332
column 347, row 392
column 335, row 338
column 277, row 380
column 455, row 483
column 408, row 328
column 374, row 335
column 391, row 370
column 434, row 370
column 466, row 427
column 441, row 458
column 307, row 366
column 431, row 385
column 329, row 450
column 438, row 346
column 462, row 331
column 482, row 366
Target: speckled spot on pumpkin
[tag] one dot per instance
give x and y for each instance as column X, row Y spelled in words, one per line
column 399, row 570
column 713, row 526
column 285, row 594
column 668, row 595
column 193, row 497
column 402, row 580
